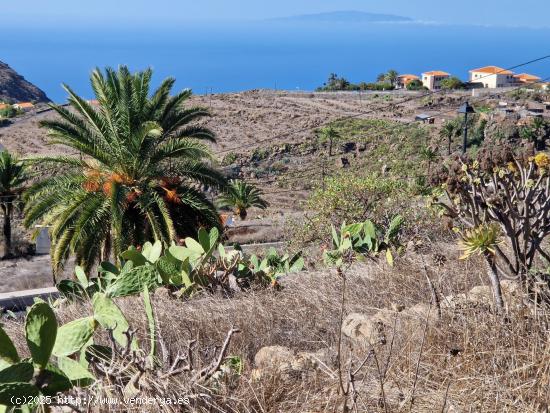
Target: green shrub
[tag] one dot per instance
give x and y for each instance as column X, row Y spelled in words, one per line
column 8, row 112
column 229, row 159
column 200, row 265
column 350, row 198
column 364, row 238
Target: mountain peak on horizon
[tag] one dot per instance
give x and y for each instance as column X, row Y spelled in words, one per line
column 15, row 88
column 344, row 16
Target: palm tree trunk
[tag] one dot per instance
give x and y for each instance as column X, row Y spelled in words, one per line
column 495, row 281
column 242, row 213
column 449, row 145
column 7, row 210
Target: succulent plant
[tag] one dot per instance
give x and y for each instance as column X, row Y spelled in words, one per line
column 21, row 380
column 199, row 264
column 364, row 238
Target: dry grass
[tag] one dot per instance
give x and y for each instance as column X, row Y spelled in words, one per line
column 469, row 361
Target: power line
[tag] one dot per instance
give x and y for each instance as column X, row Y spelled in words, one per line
column 316, row 169
column 406, row 100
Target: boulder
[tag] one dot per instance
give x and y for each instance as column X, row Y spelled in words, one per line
column 482, row 295
column 369, row 329
column 286, row 363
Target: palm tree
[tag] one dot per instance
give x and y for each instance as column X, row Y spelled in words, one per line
column 381, row 78
column 12, row 178
column 242, row 196
column 329, row 134
column 429, row 155
column 139, row 174
column 448, row 131
column 392, row 76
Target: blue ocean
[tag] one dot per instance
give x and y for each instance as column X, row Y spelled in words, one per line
column 234, row 57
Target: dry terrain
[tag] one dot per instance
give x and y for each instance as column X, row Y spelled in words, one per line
column 270, row 138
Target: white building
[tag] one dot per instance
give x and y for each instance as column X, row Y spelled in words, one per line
column 493, row 77
column 432, row 80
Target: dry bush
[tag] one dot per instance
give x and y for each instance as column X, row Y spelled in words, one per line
column 470, row 360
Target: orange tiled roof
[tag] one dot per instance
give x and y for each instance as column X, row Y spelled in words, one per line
column 408, row 77
column 436, row 73
column 4, row 105
column 527, row 77
column 25, row 105
column 493, row 70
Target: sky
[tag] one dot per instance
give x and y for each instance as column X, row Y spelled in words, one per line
column 531, row 13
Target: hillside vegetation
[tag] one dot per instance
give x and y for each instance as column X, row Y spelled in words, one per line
column 411, row 277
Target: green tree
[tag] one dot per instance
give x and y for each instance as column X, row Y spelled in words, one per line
column 329, row 134
column 12, row 179
column 241, row 196
column 449, row 131
column 139, row 173
column 452, row 83
column 415, row 85
column 7, row 112
column 536, row 132
column 429, row 155
column 392, row 76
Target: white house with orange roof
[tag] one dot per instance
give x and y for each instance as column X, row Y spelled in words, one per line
column 432, row 80
column 493, row 77
column 404, row 80
column 25, row 106
column 526, row 78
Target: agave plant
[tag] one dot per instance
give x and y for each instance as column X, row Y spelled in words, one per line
column 483, row 240
column 138, row 173
column 241, row 196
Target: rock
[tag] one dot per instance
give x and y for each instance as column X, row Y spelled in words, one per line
column 343, row 162
column 273, row 357
column 282, row 361
column 397, row 307
column 369, row 329
column 482, row 295
column 418, row 313
column 454, row 301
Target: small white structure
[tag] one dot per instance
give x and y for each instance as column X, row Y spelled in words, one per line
column 43, row 242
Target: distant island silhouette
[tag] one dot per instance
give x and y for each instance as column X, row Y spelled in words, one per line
column 343, row 17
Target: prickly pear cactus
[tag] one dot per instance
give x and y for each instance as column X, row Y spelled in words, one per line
column 41, row 332
column 109, row 316
column 19, row 372
column 132, row 282
column 8, row 352
column 10, row 392
column 75, row 372
column 73, row 336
